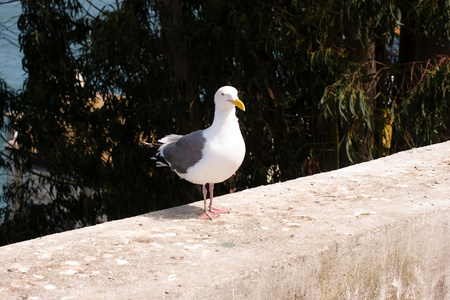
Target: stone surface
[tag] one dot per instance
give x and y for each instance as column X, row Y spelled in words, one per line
column 376, row 230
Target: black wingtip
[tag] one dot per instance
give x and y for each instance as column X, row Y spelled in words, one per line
column 152, row 147
column 154, row 152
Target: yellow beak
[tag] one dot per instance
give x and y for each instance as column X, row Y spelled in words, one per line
column 238, row 103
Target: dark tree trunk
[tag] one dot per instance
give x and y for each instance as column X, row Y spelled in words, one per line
column 178, row 57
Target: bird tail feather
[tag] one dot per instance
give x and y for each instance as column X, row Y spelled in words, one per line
column 156, row 154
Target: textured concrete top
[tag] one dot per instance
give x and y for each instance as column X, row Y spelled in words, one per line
column 170, row 254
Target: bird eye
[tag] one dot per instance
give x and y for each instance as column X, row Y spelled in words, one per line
column 223, row 94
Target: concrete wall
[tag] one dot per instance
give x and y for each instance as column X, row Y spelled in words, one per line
column 376, row 230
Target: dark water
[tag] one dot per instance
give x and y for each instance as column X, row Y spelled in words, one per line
column 10, row 56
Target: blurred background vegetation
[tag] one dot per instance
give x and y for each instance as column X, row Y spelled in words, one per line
column 326, row 84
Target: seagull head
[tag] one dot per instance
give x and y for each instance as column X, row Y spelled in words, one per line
column 227, row 97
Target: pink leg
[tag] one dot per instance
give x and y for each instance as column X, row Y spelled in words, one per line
column 211, row 208
column 207, row 214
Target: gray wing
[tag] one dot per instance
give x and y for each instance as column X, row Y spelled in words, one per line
column 185, row 152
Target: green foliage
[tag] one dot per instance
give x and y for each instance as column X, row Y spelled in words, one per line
column 424, row 111
column 314, row 76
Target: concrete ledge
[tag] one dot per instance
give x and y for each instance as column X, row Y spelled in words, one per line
column 376, row 230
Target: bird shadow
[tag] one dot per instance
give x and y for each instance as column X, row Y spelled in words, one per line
column 184, row 212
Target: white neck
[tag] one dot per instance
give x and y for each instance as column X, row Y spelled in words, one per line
column 222, row 116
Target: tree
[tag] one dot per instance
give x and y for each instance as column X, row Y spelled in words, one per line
column 320, row 88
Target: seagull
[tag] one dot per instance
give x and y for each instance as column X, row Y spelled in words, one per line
column 207, row 156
